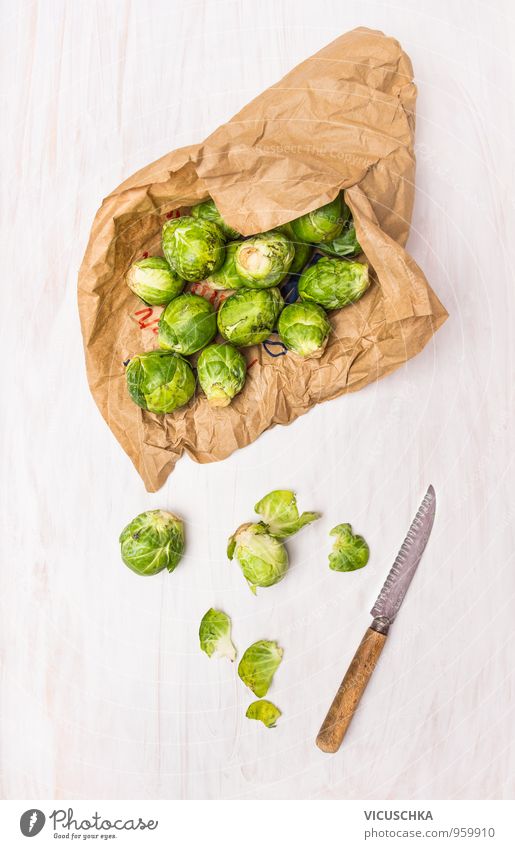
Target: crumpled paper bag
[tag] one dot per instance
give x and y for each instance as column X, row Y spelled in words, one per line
column 343, row 119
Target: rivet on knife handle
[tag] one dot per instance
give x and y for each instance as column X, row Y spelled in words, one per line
column 384, row 610
column 351, row 689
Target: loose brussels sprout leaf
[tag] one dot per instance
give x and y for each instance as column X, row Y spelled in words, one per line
column 258, row 665
column 226, row 277
column 249, row 316
column 303, row 252
column 322, row 224
column 350, row 551
column 346, row 244
column 154, row 281
column 304, row 328
column 262, row 557
column 334, row 283
column 160, row 381
column 215, row 635
column 265, row 711
column 264, row 261
column 194, row 247
column 209, row 211
column 222, row 371
column 153, row 541
column 187, row 324
column 280, row 513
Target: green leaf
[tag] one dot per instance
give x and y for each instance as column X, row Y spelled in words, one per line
column 280, row 513
column 264, row 711
column 350, row 551
column 258, row 665
column 215, row 635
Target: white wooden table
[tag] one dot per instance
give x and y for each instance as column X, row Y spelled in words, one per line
column 104, row 692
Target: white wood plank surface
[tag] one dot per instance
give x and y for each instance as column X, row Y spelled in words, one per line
column 104, row 692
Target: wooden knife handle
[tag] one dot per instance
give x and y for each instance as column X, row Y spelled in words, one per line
column 351, row 689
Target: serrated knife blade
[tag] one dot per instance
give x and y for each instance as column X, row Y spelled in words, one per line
column 384, row 611
column 405, row 564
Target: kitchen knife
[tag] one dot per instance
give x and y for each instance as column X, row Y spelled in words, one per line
column 384, row 612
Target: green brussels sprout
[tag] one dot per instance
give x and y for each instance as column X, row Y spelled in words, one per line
column 280, row 513
column 154, row 281
column 194, row 247
column 304, row 328
column 208, row 210
column 346, row 244
column 249, row 316
column 322, row 224
column 226, row 277
column 153, row 541
column 265, row 711
column 264, row 260
column 334, row 283
column 215, row 635
column 258, row 665
column 160, row 381
column 350, row 551
column 286, row 229
column 187, row 324
column 263, row 559
column 222, row 371
column 303, row 252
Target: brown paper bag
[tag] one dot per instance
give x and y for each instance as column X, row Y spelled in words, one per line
column 343, row 119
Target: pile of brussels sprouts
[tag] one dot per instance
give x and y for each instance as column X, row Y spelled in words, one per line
column 201, row 247
column 154, row 541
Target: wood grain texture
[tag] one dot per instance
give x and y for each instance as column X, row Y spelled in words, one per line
column 103, row 690
column 350, row 691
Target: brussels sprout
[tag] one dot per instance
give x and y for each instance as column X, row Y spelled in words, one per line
column 153, row 541
column 194, row 247
column 187, row 324
column 280, row 513
column 215, row 635
column 209, row 212
column 302, row 254
column 262, row 558
column 258, row 665
column 334, row 283
column 286, row 229
column 322, row 224
column 226, row 277
column 350, row 551
column 264, row 260
column 221, row 372
column 304, row 328
column 160, row 381
column 153, row 281
column 346, row 244
column 249, row 316
column 265, row 711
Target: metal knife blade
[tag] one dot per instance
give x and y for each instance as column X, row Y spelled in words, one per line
column 405, row 565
